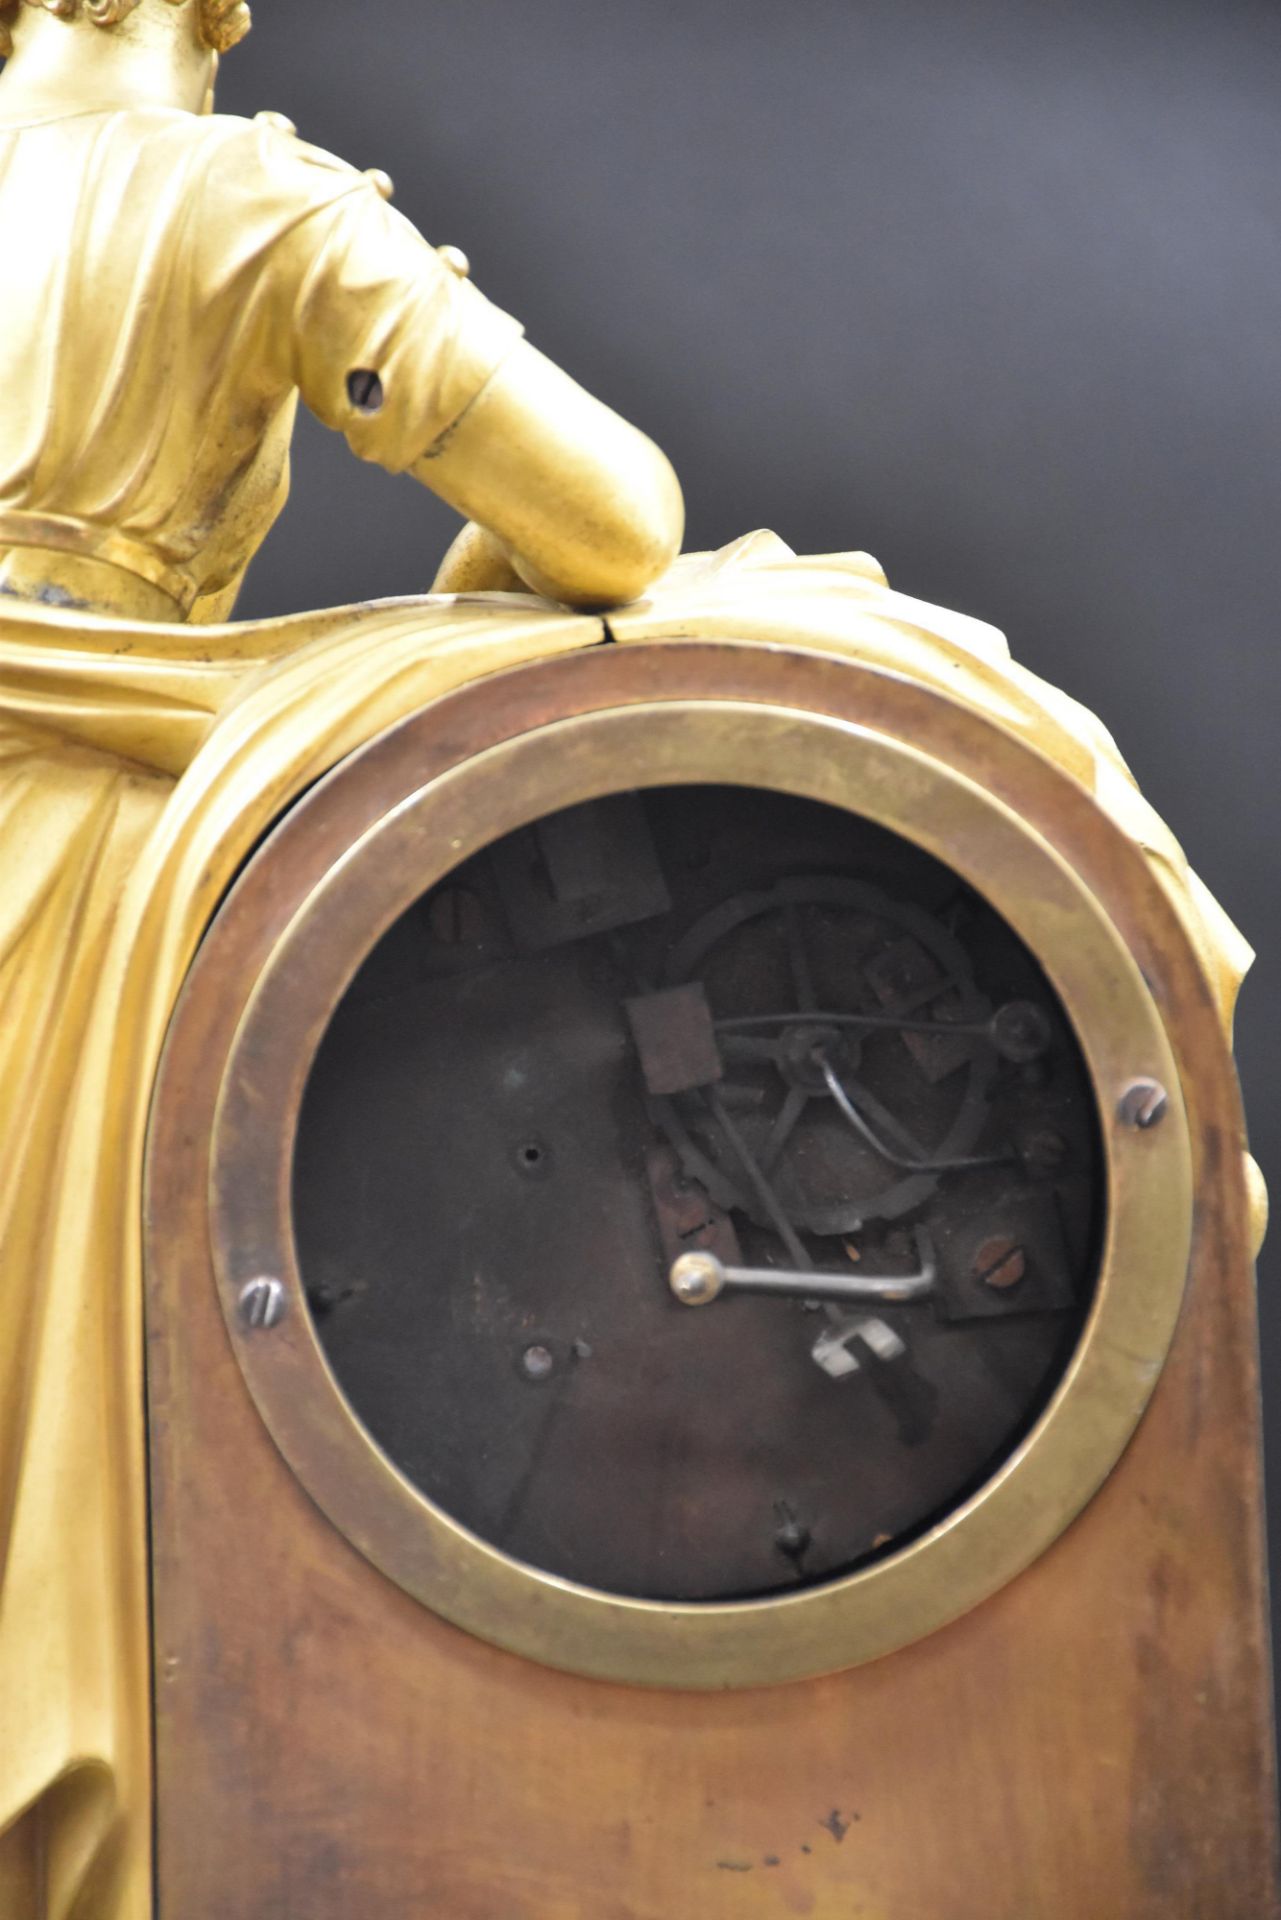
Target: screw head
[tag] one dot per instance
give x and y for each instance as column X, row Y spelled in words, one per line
column 1000, row 1263
column 537, row 1363
column 1144, row 1104
column 262, row 1304
column 802, row 1050
column 1020, row 1031
column 792, row 1538
column 697, row 1279
column 365, row 390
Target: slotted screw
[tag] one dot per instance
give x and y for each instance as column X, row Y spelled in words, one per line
column 365, row 390
column 1000, row 1263
column 262, row 1304
column 1143, row 1104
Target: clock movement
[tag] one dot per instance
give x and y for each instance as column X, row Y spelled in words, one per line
column 697, row 1029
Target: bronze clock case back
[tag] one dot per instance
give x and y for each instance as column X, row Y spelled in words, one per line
column 518, row 1005
column 532, row 1038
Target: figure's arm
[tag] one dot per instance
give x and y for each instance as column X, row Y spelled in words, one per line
column 563, row 494
column 389, row 342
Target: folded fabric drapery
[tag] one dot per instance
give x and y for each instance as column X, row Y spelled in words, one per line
column 109, row 868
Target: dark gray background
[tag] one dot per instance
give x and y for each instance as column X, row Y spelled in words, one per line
column 991, row 288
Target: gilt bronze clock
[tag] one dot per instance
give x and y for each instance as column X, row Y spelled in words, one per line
column 626, row 1232
column 674, row 1180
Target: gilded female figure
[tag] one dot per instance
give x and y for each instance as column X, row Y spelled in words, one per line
column 172, row 280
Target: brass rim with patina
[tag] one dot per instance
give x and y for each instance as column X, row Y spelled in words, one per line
column 433, row 828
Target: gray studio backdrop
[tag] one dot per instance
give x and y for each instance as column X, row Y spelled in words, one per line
column 991, row 288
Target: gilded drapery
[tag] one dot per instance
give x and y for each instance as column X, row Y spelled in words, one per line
column 108, row 870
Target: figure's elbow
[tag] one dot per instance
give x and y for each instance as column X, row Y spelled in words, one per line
column 585, row 505
column 649, row 524
column 629, row 538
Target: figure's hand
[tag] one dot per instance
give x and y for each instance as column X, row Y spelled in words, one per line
column 478, row 562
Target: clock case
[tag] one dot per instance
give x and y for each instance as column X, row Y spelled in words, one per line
column 1090, row 1736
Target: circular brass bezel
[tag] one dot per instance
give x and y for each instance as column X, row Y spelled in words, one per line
column 1039, row 1489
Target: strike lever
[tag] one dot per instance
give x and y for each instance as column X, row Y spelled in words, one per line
column 699, row 1278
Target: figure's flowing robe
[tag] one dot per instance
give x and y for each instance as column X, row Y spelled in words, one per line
column 141, row 760
column 108, row 872
column 170, row 283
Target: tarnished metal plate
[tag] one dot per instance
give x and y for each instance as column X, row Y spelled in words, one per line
column 477, row 1227
column 674, row 1038
column 582, row 872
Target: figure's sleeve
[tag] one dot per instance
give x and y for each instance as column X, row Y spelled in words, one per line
column 368, row 295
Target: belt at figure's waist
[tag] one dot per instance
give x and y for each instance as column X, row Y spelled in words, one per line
column 60, row 533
